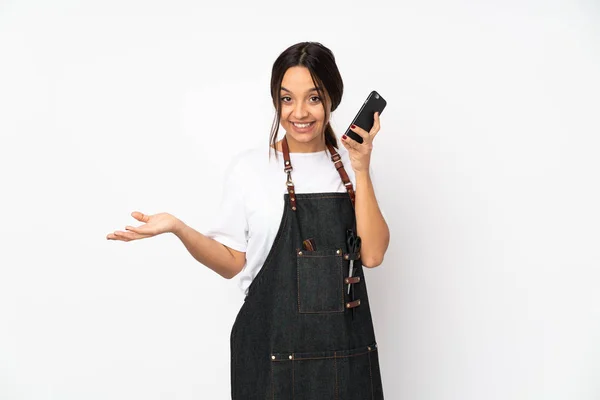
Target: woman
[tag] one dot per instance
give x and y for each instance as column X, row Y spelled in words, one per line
column 305, row 328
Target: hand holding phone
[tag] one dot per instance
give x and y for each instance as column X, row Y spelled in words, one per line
column 365, row 118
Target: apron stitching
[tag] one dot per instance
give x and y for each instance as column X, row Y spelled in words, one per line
column 235, row 366
column 293, row 379
column 272, row 383
column 371, row 377
column 341, row 196
column 298, row 283
column 298, row 287
column 327, row 357
column 336, row 377
column 342, row 273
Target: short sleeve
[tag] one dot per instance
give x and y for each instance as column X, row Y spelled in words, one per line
column 230, row 226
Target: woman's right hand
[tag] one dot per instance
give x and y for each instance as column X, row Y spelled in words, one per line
column 153, row 225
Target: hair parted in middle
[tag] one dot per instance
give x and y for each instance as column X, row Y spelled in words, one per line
column 320, row 62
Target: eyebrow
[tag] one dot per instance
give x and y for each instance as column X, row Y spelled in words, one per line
column 309, row 90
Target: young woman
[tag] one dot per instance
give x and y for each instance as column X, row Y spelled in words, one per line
column 298, row 234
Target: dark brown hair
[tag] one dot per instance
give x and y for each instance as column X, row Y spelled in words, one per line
column 325, row 75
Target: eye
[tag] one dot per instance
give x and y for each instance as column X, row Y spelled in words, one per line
column 285, row 97
column 316, row 97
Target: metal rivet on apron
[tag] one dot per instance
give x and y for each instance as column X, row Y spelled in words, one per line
column 346, row 256
column 338, row 252
column 272, row 357
column 294, row 208
column 369, row 348
column 290, row 357
column 348, row 305
column 291, row 191
column 287, row 163
column 299, row 253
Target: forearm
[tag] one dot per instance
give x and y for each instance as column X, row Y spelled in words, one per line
column 371, row 226
column 207, row 251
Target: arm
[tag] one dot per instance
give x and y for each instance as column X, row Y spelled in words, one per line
column 216, row 256
column 371, row 226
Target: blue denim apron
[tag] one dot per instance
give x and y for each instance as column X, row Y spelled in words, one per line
column 299, row 334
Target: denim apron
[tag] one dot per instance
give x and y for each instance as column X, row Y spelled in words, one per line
column 299, row 334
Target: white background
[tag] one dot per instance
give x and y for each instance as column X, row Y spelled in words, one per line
column 486, row 164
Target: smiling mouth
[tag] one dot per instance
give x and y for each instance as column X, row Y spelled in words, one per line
column 305, row 125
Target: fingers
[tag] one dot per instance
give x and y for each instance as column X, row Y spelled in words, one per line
column 376, row 126
column 140, row 216
column 367, row 136
column 351, row 144
column 131, row 232
column 365, row 147
column 118, row 235
column 360, row 131
column 141, row 230
column 125, row 236
column 346, row 145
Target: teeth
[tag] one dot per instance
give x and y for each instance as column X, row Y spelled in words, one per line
column 302, row 125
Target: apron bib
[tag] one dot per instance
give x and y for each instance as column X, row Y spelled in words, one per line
column 299, row 334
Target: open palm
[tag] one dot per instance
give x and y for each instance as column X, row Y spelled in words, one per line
column 153, row 225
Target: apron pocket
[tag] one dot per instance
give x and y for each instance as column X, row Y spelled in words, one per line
column 346, row 374
column 320, row 281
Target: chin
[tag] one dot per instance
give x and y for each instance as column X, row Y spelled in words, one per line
column 304, row 138
column 300, row 137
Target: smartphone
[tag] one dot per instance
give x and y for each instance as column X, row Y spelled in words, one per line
column 365, row 117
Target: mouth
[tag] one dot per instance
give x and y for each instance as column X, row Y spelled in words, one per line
column 303, row 125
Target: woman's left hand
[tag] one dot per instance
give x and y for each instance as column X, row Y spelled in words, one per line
column 360, row 153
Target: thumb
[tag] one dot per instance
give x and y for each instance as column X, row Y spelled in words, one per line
column 140, row 216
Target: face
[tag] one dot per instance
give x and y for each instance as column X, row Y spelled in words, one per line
column 301, row 104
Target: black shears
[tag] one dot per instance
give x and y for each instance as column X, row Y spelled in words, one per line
column 354, row 242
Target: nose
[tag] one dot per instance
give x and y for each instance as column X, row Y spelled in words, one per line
column 300, row 110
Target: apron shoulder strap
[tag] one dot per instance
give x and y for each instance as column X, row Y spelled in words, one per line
column 337, row 161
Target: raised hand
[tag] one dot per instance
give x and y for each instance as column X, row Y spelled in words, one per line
column 153, row 225
column 360, row 153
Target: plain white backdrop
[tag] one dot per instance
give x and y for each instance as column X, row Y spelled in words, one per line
column 486, row 165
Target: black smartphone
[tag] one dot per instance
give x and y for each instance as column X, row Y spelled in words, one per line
column 365, row 117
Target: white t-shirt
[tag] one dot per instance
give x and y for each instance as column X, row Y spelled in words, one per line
column 252, row 203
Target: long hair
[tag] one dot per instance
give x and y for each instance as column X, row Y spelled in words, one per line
column 320, row 62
